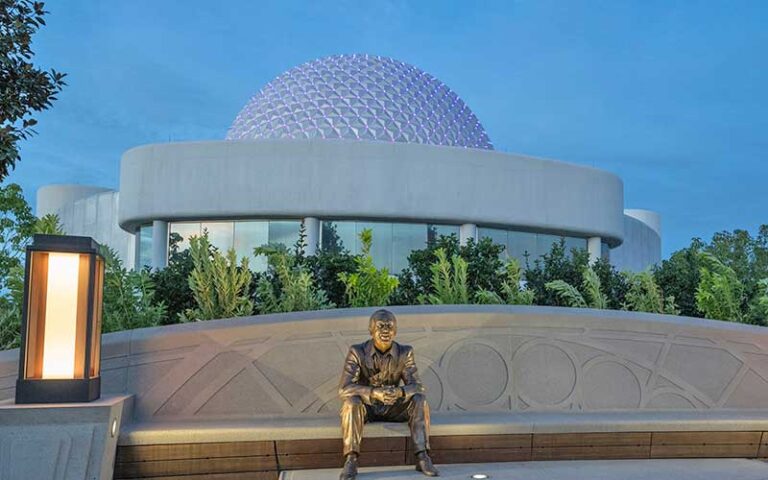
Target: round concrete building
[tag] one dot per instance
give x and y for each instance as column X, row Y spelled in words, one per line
column 345, row 143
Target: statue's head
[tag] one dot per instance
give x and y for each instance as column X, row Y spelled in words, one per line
column 383, row 328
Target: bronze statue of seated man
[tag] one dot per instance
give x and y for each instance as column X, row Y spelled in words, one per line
column 370, row 391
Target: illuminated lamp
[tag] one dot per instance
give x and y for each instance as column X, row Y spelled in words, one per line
column 61, row 321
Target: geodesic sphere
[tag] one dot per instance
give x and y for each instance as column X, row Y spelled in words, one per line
column 359, row 97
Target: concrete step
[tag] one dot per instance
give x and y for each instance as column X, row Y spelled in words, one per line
column 697, row 469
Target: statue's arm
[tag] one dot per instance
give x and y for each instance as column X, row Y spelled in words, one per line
column 348, row 386
column 412, row 382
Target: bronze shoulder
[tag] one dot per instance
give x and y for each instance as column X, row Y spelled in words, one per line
column 358, row 348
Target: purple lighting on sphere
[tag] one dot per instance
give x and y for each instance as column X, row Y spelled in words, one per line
column 359, row 97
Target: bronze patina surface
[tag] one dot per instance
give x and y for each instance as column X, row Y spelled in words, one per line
column 380, row 382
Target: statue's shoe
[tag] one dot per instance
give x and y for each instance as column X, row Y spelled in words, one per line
column 424, row 465
column 349, row 471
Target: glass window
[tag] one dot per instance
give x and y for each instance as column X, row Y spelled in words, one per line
column 285, row 232
column 435, row 231
column 497, row 236
column 220, row 234
column 338, row 236
column 247, row 236
column 145, row 247
column 544, row 243
column 381, row 246
column 520, row 244
column 185, row 231
column 576, row 243
column 406, row 237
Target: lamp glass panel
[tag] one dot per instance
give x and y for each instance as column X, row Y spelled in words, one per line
column 61, row 312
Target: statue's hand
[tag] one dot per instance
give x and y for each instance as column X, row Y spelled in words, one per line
column 392, row 394
column 379, row 394
column 386, row 395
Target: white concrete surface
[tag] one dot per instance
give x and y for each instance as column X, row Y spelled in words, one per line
column 312, row 230
column 88, row 211
column 71, row 441
column 467, row 231
column 642, row 242
column 364, row 179
column 309, row 428
column 697, row 469
column 159, row 244
column 594, row 248
column 472, row 359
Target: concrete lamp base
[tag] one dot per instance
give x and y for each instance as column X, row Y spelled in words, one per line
column 62, row 441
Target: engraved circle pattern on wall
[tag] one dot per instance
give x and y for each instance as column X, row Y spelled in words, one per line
column 545, row 374
column 609, row 384
column 359, row 97
column 477, row 373
column 431, row 381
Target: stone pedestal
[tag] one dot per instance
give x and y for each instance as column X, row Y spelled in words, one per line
column 61, row 441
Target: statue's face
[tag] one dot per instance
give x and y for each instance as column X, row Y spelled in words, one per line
column 383, row 332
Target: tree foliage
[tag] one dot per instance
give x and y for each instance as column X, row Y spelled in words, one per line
column 645, row 295
column 288, row 285
column 171, row 284
column 17, row 224
column 590, row 295
column 513, row 289
column 557, row 265
column 485, row 269
column 720, row 292
column 367, row 286
column 679, row 277
column 24, row 88
column 129, row 296
column 448, row 281
column 10, row 309
column 218, row 282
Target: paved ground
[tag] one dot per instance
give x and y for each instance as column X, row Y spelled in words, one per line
column 697, row 469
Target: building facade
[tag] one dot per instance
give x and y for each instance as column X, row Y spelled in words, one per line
column 345, row 143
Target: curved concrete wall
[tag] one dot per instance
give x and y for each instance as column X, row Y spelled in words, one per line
column 52, row 198
column 367, row 180
column 91, row 212
column 471, row 358
column 642, row 242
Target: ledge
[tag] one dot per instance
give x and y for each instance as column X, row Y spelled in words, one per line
column 156, row 433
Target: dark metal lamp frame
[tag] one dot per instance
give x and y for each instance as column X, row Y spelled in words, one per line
column 87, row 387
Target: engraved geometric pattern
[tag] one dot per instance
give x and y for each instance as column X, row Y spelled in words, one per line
column 359, row 97
column 486, row 359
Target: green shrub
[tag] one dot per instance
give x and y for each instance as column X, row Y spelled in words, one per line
column 570, row 296
column 128, row 297
column 644, row 295
column 288, row 286
column 10, row 309
column 720, row 293
column 172, row 282
column 556, row 266
column 218, row 283
column 367, row 286
column 448, row 281
column 512, row 290
column 485, row 270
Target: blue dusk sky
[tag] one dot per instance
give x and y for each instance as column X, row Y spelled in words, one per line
column 670, row 95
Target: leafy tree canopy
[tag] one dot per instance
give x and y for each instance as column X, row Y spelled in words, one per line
column 24, row 88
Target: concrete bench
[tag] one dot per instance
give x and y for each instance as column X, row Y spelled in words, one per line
column 260, row 449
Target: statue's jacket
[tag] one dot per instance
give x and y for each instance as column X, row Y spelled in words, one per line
column 365, row 368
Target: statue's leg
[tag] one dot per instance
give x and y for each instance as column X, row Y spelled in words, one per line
column 418, row 421
column 352, row 420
